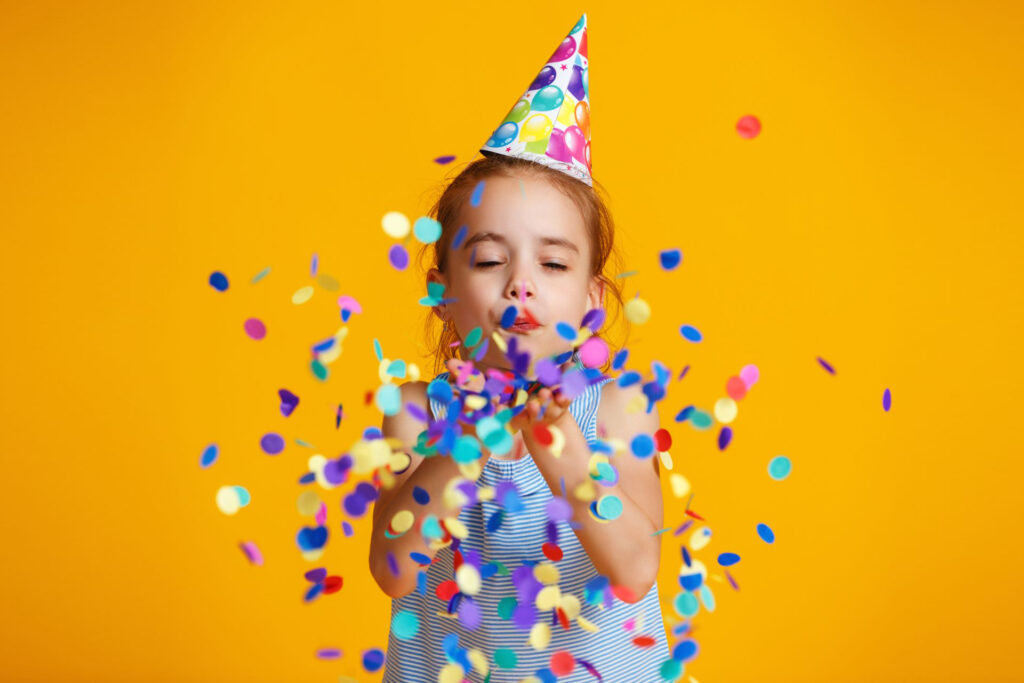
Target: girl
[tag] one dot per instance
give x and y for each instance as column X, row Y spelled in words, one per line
column 523, row 581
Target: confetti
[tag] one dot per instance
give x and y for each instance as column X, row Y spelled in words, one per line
column 398, row 257
column 395, row 224
column 405, row 625
column 766, row 533
column 460, row 235
column 373, row 660
column 252, row 553
column 272, row 443
column 825, row 364
column 255, row 328
column 594, row 352
column 219, row 281
column 328, row 653
column 728, row 559
column 260, row 275
column 886, row 400
column 289, row 402
column 690, row 333
column 637, row 311
column 779, row 467
column 748, row 127
column 478, row 193
column 426, row 229
column 302, row 295
column 670, row 258
column 209, row 456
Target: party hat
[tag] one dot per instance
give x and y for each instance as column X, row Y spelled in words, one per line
column 550, row 123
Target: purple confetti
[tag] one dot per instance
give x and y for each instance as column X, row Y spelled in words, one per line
column 289, row 401
column 272, row 443
column 887, row 400
column 328, row 653
column 316, row 575
column 824, row 364
column 724, row 437
column 446, row 159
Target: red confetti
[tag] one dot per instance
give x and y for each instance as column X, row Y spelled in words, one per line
column 562, row 663
column 446, row 590
column 736, row 388
column 552, row 552
column 695, row 515
column 542, row 434
column 563, row 618
column 623, row 593
column 368, row 399
column 332, row 584
column 748, row 127
column 643, row 641
column 457, row 560
column 662, row 439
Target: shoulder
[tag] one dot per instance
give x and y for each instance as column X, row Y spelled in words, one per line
column 410, row 392
column 625, row 409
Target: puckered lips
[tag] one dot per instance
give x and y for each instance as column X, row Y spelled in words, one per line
column 525, row 323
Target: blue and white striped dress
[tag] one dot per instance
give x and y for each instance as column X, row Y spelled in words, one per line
column 516, row 542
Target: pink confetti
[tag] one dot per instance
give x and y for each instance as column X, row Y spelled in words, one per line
column 252, row 552
column 748, row 127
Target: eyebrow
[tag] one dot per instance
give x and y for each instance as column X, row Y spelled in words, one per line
column 495, row 237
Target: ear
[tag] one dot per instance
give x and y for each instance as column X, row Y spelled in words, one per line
column 435, row 275
column 595, row 294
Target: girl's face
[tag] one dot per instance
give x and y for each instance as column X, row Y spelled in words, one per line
column 526, row 245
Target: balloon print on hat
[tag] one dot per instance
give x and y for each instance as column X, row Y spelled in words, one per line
column 577, row 82
column 545, row 77
column 565, row 50
column 504, row 135
column 547, row 98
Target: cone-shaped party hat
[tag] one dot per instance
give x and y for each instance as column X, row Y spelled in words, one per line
column 550, row 123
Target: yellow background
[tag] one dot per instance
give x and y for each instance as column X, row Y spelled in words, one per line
column 874, row 222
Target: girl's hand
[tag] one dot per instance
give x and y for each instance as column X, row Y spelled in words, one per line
column 555, row 407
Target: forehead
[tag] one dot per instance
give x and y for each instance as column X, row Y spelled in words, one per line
column 525, row 208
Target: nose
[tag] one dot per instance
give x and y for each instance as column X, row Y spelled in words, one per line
column 520, row 288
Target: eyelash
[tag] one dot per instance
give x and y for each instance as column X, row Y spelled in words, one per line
column 488, row 264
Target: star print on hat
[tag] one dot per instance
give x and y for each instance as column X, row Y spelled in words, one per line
column 550, row 124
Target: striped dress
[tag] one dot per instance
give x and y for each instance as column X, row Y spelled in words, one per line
column 609, row 655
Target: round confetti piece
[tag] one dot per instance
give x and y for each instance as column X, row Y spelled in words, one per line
column 662, row 439
column 420, row 495
column 728, row 559
column 427, row 229
column 750, row 374
column 562, row 663
column 219, row 281
column 766, row 533
column 779, row 467
column 255, row 328
column 316, row 575
column 302, row 294
column 594, row 352
column 886, row 400
column 227, row 500
column 243, row 495
column 736, row 388
column 398, row 257
column 389, row 399
column 333, row 584
column 272, row 443
column 373, row 660
column 748, row 127
column 670, row 258
column 671, row 670
column 552, row 552
column 565, row 331
column 610, row 507
column 540, row 636
column 724, row 438
column 395, row 224
column 209, row 455
column 402, row 521
column 405, row 625
column 642, row 446
column 328, row 653
column 725, row 410
column 637, row 311
column 690, row 333
column 680, row 484
column 505, row 657
column 686, row 604
column 700, row 537
column 685, row 650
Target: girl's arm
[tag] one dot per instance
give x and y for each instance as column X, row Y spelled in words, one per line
column 432, row 475
column 624, row 549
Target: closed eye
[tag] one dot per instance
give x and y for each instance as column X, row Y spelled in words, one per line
column 552, row 266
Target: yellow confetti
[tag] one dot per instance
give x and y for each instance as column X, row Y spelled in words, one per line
column 228, row 500
column 725, row 410
column 557, row 441
column 666, row 459
column 680, row 484
column 468, row 578
column 302, row 294
column 547, row 598
column 402, row 522
column 585, row 491
column 479, row 661
column 308, row 503
column 456, row 528
column 499, row 342
column 570, row 604
column 451, row 673
column 312, row 555
column 328, row 282
column 396, row 225
column 475, row 401
column 540, row 636
column 636, row 404
column 700, row 537
column 587, row 625
column 546, row 573
column 637, row 311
